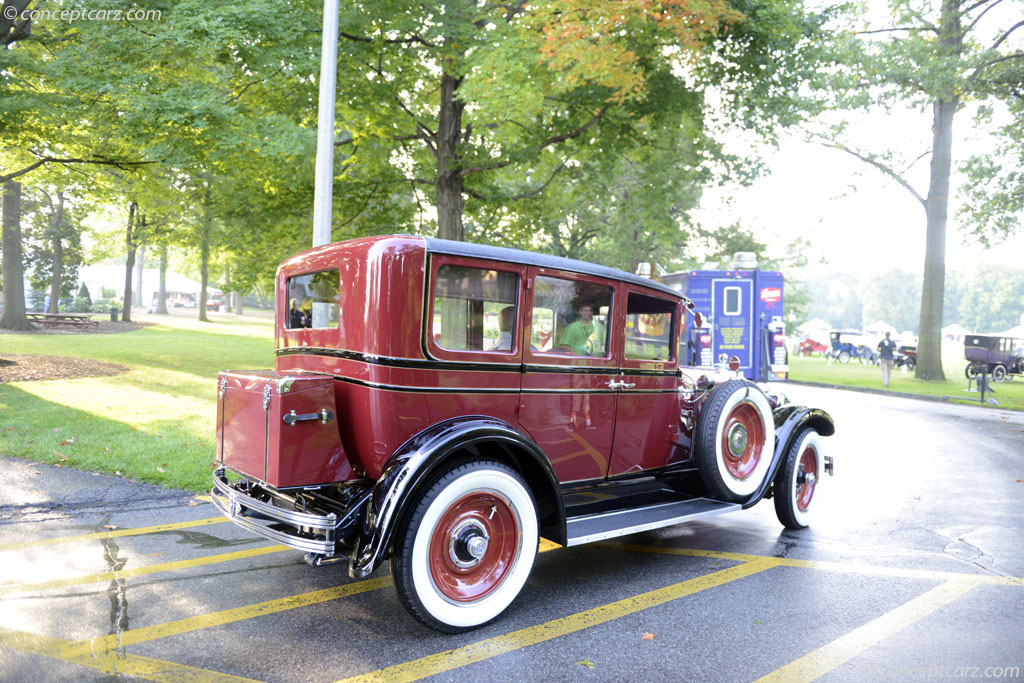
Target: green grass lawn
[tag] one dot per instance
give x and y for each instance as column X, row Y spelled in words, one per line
column 154, row 423
column 856, row 374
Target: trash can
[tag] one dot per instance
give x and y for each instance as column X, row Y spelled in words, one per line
column 113, row 314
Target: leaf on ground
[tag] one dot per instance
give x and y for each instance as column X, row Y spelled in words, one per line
column 192, row 503
column 587, row 663
column 36, row 472
column 648, row 636
column 758, row 621
column 111, row 527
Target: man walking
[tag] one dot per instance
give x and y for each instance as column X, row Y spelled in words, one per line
column 886, row 349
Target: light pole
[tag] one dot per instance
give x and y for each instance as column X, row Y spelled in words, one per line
column 323, row 189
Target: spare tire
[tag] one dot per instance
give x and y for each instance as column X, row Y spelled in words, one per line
column 734, row 440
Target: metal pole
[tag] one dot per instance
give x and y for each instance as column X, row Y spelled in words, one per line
column 323, row 191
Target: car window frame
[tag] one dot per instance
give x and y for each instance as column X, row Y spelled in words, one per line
column 553, row 359
column 433, row 350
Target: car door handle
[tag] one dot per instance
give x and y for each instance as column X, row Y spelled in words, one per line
column 614, row 384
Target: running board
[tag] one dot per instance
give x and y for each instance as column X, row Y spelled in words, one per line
column 598, row 527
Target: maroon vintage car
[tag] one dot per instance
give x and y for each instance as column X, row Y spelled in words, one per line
column 444, row 405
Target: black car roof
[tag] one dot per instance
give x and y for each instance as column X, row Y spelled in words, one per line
column 483, row 251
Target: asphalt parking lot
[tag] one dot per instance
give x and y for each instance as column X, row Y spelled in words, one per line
column 912, row 571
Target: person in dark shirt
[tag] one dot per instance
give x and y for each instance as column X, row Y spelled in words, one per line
column 886, row 351
column 297, row 318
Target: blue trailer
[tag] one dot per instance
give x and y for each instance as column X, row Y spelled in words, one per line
column 743, row 309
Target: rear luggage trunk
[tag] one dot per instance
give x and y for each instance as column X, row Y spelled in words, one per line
column 281, row 430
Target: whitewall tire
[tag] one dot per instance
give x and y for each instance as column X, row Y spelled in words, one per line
column 467, row 548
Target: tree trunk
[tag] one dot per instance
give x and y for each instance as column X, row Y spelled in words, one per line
column 13, row 316
column 140, row 265
column 129, row 240
column 929, row 334
column 161, row 303
column 449, row 174
column 204, row 253
column 58, row 253
column 929, row 344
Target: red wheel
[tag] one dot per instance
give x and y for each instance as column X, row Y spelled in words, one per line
column 733, row 439
column 797, row 481
column 473, row 547
column 743, row 440
column 467, row 548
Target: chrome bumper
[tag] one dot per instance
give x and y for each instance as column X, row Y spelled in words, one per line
column 300, row 530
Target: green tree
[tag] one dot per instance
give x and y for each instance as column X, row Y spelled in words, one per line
column 991, row 298
column 53, row 242
column 935, row 55
column 479, row 106
column 893, row 296
column 993, row 205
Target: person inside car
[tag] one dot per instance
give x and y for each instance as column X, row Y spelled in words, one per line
column 584, row 337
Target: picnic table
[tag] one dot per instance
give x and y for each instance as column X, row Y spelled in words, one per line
column 52, row 320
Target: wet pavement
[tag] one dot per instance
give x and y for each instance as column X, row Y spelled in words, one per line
column 911, row 571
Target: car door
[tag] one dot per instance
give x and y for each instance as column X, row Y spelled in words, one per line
column 567, row 405
column 647, row 408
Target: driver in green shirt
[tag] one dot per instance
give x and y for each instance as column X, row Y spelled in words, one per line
column 584, row 336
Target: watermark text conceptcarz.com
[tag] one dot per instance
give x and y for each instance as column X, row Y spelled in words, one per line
column 11, row 13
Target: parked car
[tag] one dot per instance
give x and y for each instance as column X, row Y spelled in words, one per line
column 847, row 344
column 906, row 355
column 809, row 346
column 452, row 403
column 213, row 304
column 1000, row 357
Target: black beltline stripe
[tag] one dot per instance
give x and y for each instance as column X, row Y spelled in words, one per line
column 481, row 390
column 416, row 363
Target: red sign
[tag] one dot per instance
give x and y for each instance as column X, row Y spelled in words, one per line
column 770, row 295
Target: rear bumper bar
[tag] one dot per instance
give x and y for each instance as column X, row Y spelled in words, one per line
column 309, row 532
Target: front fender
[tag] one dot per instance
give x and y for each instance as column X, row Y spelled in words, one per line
column 418, row 460
column 789, row 422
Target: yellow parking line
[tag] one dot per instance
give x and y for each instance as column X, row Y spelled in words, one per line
column 849, row 568
column 114, row 533
column 828, row 657
column 141, row 571
column 114, row 664
column 485, row 649
column 173, row 628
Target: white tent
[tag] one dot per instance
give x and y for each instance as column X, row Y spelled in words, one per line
column 879, row 328
column 815, row 328
column 954, row 332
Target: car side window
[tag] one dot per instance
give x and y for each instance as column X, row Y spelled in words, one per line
column 650, row 323
column 474, row 309
column 570, row 317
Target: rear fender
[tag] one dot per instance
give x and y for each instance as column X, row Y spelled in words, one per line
column 421, row 458
column 790, row 420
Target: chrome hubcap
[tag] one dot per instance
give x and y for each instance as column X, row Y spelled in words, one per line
column 737, row 440
column 468, row 544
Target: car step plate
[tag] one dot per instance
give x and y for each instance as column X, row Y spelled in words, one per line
column 598, row 527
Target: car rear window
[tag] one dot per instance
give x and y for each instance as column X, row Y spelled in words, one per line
column 313, row 300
